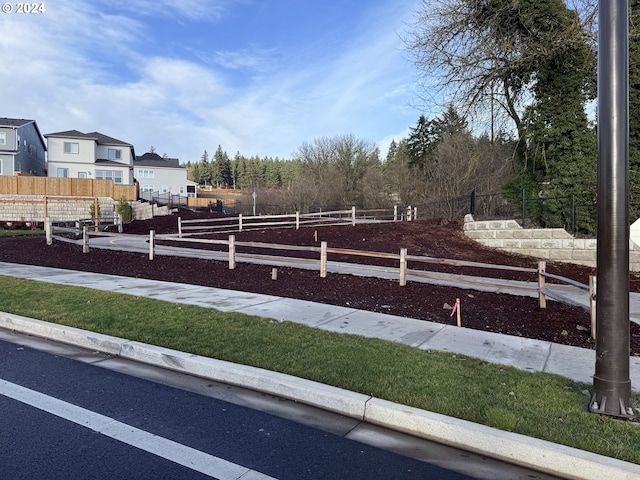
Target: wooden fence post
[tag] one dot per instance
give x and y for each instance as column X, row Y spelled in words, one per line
column 179, row 227
column 96, row 212
column 415, row 213
column 297, row 220
column 592, row 303
column 47, row 229
column 232, row 252
column 542, row 299
column 323, row 259
column 403, row 267
column 353, row 216
column 85, row 240
column 119, row 223
column 395, row 213
column 240, row 222
column 152, row 236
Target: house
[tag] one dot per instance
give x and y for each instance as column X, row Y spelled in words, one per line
column 22, row 148
column 73, row 154
column 161, row 178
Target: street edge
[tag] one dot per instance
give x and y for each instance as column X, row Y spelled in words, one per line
column 541, row 455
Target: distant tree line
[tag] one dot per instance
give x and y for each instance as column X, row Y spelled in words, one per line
column 531, row 64
column 241, row 172
column 440, row 159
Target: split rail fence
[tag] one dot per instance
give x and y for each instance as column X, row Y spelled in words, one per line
column 400, row 270
column 296, row 220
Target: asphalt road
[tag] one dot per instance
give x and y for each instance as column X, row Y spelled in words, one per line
column 62, row 418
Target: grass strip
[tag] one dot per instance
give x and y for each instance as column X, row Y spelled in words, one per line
column 545, row 406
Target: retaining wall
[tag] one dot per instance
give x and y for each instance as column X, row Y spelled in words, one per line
column 542, row 243
column 34, row 208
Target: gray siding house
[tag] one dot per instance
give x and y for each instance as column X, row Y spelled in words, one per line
column 22, row 148
column 73, row 154
column 161, row 178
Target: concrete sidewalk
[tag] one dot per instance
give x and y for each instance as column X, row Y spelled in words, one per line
column 526, row 354
column 571, row 294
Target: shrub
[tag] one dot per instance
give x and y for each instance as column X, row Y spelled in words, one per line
column 125, row 210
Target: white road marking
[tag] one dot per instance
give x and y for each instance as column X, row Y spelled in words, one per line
column 181, row 454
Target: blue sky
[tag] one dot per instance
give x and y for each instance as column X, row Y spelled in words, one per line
column 256, row 76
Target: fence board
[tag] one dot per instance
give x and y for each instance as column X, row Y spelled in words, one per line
column 65, row 187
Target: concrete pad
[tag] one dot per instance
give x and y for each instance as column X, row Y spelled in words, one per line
column 297, row 311
column 387, row 327
column 575, row 363
column 551, row 458
column 522, row 353
column 220, row 299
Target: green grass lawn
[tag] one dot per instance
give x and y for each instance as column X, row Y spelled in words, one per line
column 540, row 405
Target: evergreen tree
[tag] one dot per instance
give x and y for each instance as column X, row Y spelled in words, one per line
column 214, row 168
column 205, row 169
column 563, row 148
column 391, row 153
column 421, row 143
column 273, row 177
column 425, row 137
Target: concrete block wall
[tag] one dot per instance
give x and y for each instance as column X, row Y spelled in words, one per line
column 145, row 210
column 30, row 208
column 542, row 243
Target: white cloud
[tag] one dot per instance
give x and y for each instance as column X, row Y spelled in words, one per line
column 192, row 10
column 87, row 73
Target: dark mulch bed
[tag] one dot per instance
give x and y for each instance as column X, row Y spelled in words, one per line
column 512, row 315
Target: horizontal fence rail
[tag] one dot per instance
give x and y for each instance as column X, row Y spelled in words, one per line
column 400, row 270
column 296, row 220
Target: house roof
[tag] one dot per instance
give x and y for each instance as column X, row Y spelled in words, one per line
column 99, row 138
column 154, row 160
column 21, row 122
column 106, row 162
column 14, row 122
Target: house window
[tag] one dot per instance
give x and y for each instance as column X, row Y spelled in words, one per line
column 181, row 190
column 63, row 173
column 165, row 188
column 114, row 175
column 148, row 188
column 82, row 174
column 3, row 138
column 70, row 147
column 142, row 173
column 115, row 154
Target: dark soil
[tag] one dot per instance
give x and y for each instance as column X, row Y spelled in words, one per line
column 507, row 314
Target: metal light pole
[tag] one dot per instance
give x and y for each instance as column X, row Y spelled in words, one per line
column 611, row 383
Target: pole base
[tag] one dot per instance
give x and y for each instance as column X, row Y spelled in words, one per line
column 612, row 399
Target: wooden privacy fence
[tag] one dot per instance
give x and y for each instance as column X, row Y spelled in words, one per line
column 207, row 226
column 67, row 187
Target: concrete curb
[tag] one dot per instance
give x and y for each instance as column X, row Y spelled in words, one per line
column 547, row 457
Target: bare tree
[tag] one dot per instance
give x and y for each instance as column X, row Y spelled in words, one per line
column 337, row 165
column 485, row 54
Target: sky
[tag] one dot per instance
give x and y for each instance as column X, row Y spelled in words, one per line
column 259, row 77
